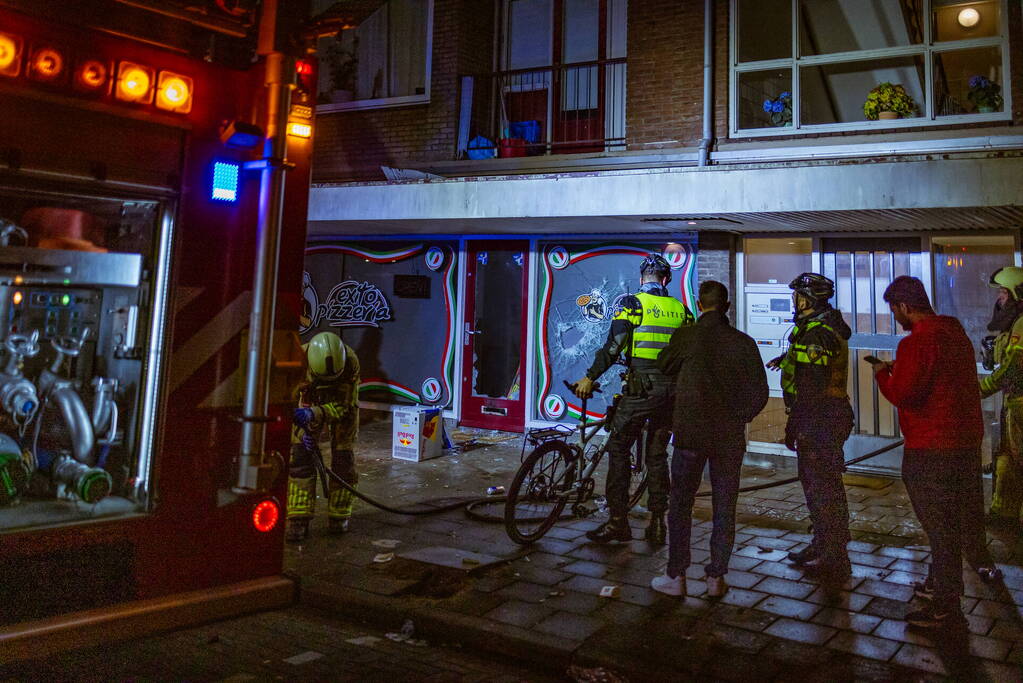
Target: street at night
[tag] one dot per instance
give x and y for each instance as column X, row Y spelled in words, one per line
column 511, row 340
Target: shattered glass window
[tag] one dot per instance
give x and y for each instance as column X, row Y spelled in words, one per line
column 579, row 291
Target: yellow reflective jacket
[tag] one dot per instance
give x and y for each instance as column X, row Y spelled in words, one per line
column 653, row 318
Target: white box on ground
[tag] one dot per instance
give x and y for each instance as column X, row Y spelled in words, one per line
column 418, row 433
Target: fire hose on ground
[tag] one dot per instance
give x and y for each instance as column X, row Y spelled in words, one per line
column 469, row 504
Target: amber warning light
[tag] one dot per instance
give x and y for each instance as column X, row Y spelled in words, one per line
column 10, row 55
column 300, row 130
column 265, row 515
column 174, row 92
column 134, row 83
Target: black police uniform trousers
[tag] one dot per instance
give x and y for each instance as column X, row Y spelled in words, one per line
column 651, row 401
column 820, row 463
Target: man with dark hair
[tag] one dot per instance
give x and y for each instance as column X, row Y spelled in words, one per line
column 815, row 371
column 933, row 383
column 720, row 386
column 640, row 331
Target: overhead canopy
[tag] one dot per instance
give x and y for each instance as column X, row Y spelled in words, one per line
column 970, row 192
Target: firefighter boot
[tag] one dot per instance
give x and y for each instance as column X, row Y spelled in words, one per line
column 339, row 510
column 656, row 532
column 614, row 529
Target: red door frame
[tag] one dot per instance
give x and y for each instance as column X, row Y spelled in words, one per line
column 485, row 412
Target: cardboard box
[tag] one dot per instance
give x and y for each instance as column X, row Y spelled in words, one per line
column 417, row 433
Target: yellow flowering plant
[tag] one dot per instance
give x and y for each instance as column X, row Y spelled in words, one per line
column 888, row 97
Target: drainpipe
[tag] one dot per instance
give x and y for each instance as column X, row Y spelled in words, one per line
column 708, row 81
column 255, row 468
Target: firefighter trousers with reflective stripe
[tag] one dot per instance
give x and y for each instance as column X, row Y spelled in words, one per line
column 302, row 484
column 1007, row 497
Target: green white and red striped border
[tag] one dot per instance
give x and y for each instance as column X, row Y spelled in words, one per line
column 399, row 390
column 686, row 283
column 363, row 253
column 450, row 308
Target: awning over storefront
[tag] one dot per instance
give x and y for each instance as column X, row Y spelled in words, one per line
column 973, row 191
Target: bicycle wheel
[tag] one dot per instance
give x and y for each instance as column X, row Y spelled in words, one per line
column 539, row 491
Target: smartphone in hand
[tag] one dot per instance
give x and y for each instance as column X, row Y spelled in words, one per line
column 873, row 360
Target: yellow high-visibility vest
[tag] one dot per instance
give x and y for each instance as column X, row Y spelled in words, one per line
column 653, row 323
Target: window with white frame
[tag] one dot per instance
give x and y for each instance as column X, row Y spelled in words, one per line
column 384, row 61
column 813, row 65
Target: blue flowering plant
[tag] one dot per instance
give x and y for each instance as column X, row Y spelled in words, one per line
column 985, row 94
column 780, row 109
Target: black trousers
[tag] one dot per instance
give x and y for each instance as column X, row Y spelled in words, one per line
column 686, row 474
column 820, row 463
column 633, row 412
column 943, row 487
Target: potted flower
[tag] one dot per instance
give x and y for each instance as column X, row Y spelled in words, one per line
column 985, row 94
column 780, row 109
column 888, row 101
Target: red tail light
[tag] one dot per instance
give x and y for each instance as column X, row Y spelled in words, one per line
column 265, row 515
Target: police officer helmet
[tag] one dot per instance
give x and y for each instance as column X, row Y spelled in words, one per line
column 814, row 286
column 326, row 355
column 656, row 264
column 1011, row 278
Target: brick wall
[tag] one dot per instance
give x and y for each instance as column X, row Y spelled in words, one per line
column 665, row 89
column 665, row 74
column 353, row 145
column 715, row 260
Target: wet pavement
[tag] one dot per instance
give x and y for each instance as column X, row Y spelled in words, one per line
column 543, row 604
column 296, row 644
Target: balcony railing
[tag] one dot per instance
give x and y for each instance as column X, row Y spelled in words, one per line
column 566, row 109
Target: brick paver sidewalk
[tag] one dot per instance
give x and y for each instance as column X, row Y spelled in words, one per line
column 543, row 602
column 286, row 645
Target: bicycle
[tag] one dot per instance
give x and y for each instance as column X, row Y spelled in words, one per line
column 557, row 473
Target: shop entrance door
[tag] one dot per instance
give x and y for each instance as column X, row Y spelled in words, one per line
column 862, row 269
column 494, row 335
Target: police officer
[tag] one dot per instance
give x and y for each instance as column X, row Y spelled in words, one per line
column 1007, row 320
column 814, row 373
column 640, row 330
column 327, row 416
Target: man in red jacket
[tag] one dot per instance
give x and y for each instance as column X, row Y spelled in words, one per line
column 931, row 382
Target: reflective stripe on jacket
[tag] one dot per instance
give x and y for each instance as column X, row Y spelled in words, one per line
column 833, row 358
column 1008, row 374
column 654, row 321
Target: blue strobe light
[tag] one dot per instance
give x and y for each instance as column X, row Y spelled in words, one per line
column 225, row 181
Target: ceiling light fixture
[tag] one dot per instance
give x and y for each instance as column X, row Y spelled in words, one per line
column 968, row 18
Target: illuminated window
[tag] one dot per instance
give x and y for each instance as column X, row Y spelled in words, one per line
column 383, row 62
column 810, row 65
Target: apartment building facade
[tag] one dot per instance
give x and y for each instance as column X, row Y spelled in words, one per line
column 487, row 174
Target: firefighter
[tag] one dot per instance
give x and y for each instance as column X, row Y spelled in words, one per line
column 1007, row 377
column 640, row 331
column 814, row 371
column 326, row 416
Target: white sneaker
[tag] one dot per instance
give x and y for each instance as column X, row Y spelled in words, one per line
column 716, row 586
column 669, row 586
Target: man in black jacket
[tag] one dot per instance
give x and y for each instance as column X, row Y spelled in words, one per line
column 721, row 385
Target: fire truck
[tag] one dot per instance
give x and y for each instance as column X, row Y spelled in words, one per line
column 154, row 160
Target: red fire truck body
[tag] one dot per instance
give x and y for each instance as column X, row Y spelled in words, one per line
column 142, row 197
